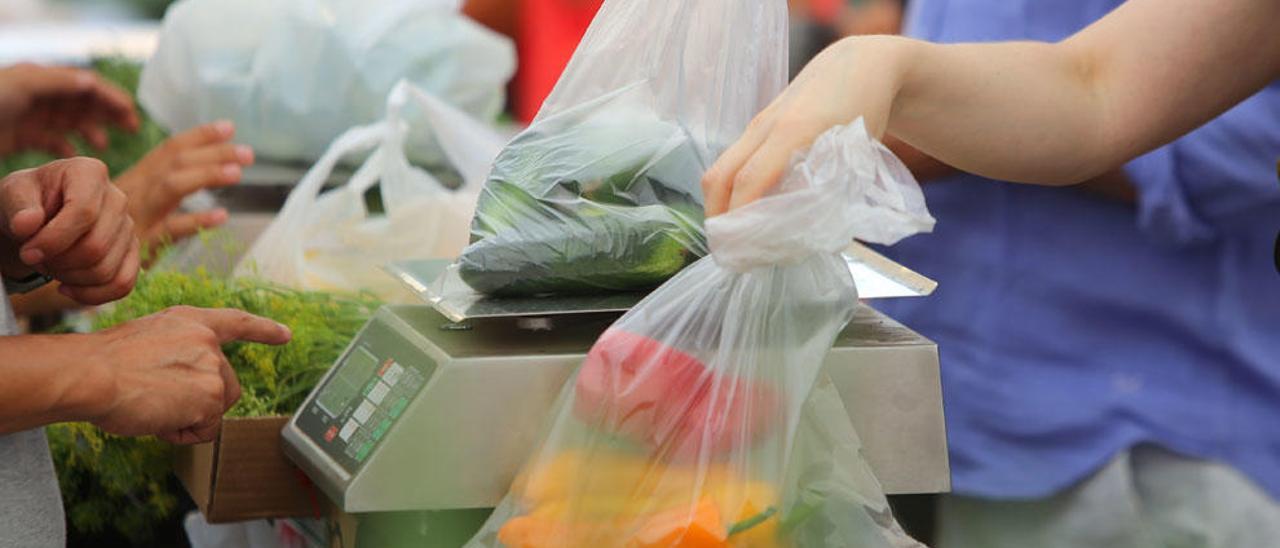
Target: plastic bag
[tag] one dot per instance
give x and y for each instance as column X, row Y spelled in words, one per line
column 602, row 192
column 702, row 418
column 330, row 241
column 294, row 74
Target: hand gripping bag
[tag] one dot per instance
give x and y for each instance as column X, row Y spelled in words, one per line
column 701, row 418
column 294, row 74
column 602, row 191
column 332, row 242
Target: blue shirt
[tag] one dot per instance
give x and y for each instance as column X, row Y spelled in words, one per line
column 1072, row 327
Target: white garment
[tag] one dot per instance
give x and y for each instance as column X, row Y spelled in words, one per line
column 1147, row 497
column 30, row 504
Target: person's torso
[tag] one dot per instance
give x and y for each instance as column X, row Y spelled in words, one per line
column 1068, row 333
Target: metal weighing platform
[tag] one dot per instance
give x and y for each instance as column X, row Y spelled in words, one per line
column 435, row 407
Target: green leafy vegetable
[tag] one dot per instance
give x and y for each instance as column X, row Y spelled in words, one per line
column 126, row 483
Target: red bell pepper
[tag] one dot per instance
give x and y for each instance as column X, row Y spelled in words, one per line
column 638, row 387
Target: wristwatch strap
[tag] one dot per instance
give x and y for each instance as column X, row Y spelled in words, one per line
column 27, row 284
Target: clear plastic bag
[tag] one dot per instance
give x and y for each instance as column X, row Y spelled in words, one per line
column 294, row 74
column 602, row 192
column 332, row 242
column 702, row 418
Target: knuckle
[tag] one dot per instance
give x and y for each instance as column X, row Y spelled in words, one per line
column 95, row 249
column 93, row 165
column 116, row 198
column 181, row 312
column 121, row 286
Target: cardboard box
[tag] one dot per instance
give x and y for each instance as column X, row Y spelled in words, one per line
column 244, row 475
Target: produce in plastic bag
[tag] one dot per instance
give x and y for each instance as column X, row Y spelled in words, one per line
column 332, row 242
column 602, row 192
column 702, row 418
column 294, row 74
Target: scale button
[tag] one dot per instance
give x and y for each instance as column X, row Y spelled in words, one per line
column 363, row 412
column 379, row 392
column 331, row 433
column 392, row 374
column 382, row 428
column 363, row 452
column 398, row 407
column 348, row 429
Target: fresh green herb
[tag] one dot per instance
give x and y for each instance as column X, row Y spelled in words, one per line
column 126, row 483
column 752, row 521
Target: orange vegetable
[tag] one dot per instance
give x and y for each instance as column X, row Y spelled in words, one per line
column 702, row 528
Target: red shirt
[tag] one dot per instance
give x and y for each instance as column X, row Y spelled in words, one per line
column 549, row 33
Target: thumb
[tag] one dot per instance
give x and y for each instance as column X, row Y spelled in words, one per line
column 21, row 205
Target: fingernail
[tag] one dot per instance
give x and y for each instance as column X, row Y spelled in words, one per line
column 32, row 256
column 65, row 290
column 218, row 216
column 244, row 154
column 288, row 332
column 231, row 172
column 84, row 80
column 225, row 127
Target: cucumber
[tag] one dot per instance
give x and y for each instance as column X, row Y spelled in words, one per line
column 590, row 208
column 592, row 252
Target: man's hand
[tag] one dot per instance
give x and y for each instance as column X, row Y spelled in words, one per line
column 67, row 220
column 40, row 106
column 165, row 374
column 199, row 158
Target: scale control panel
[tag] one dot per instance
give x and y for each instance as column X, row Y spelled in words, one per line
column 362, row 398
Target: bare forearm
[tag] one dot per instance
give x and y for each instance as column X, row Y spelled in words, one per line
column 1019, row 111
column 45, row 381
column 1063, row 113
column 925, row 168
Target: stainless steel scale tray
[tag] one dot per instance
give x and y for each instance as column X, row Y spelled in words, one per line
column 437, row 284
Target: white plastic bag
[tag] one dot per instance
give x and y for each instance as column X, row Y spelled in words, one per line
column 330, row 241
column 294, row 74
column 702, row 416
column 602, row 192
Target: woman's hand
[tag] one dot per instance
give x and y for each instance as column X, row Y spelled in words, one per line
column 832, row 90
column 199, row 158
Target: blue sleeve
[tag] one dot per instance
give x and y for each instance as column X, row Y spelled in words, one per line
column 1206, row 185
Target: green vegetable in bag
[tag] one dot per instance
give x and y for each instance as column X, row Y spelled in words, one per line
column 610, row 203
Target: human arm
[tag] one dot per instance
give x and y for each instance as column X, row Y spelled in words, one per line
column 41, row 105
column 164, row 374
column 1029, row 112
column 199, row 158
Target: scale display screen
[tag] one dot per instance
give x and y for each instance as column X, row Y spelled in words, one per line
column 346, row 384
column 361, row 400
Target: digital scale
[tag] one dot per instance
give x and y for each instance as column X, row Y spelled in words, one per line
column 433, row 408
